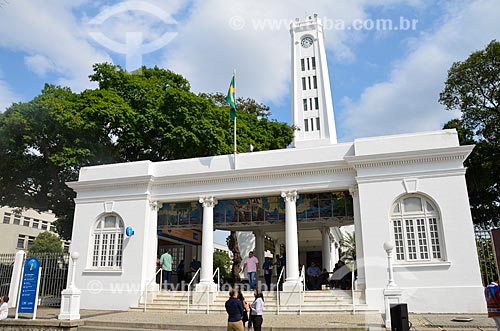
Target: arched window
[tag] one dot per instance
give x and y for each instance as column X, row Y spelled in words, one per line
column 108, row 242
column 416, row 228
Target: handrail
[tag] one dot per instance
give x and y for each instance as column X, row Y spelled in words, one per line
column 353, row 268
column 217, row 271
column 208, row 288
column 302, row 288
column 147, row 285
column 189, row 287
column 278, row 291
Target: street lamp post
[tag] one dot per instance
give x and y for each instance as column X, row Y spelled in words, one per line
column 388, row 247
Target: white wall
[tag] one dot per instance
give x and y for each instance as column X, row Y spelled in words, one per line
column 452, row 286
column 116, row 289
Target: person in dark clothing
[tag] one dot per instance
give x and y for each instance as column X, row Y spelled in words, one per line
column 180, row 272
column 268, row 272
column 234, row 309
column 245, row 318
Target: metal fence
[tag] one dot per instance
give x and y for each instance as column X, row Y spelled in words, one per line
column 6, row 267
column 53, row 277
column 52, row 280
column 486, row 256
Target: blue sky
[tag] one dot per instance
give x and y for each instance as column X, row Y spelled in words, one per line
column 383, row 82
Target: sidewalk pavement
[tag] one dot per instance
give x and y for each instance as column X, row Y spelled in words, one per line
column 317, row 322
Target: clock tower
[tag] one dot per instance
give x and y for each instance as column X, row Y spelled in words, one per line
column 312, row 106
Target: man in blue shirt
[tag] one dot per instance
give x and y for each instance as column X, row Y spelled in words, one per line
column 313, row 274
column 234, row 309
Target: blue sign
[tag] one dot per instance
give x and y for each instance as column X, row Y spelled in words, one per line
column 129, row 231
column 29, row 287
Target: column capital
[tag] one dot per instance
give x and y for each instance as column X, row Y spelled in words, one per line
column 353, row 190
column 154, row 205
column 290, row 196
column 208, row 201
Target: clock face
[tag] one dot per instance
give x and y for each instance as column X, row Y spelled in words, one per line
column 306, row 42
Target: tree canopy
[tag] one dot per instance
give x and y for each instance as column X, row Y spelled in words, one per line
column 129, row 117
column 46, row 242
column 473, row 87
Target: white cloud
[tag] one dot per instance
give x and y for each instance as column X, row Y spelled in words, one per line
column 408, row 101
column 52, row 38
column 209, row 46
column 7, row 96
column 39, row 64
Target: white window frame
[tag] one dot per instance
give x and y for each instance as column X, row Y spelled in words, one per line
column 108, row 257
column 424, row 244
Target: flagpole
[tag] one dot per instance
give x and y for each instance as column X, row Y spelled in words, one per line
column 234, row 135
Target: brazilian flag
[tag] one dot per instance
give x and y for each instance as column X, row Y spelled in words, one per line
column 231, row 99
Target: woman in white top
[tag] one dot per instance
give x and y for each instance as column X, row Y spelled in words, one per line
column 4, row 307
column 256, row 309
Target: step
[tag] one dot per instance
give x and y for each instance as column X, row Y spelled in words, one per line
column 141, row 326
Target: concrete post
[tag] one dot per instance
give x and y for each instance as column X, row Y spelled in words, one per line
column 15, row 278
column 70, row 297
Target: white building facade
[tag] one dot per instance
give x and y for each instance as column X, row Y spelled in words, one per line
column 406, row 189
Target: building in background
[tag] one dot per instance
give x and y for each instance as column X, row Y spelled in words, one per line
column 20, row 227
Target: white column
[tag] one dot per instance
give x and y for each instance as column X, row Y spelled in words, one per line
column 292, row 243
column 207, row 240
column 358, row 231
column 327, row 256
column 259, row 246
column 335, row 253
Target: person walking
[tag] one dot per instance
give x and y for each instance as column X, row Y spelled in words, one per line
column 268, row 272
column 252, row 265
column 492, row 295
column 256, row 310
column 166, row 265
column 234, row 310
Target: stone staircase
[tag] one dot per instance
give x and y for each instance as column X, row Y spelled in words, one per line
column 325, row 301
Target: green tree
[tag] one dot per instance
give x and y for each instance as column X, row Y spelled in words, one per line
column 473, row 88
column 46, row 242
column 223, row 262
column 348, row 247
column 245, row 105
column 129, row 117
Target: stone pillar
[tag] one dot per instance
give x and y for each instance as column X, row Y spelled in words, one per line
column 207, row 240
column 358, row 231
column 206, row 289
column 326, row 245
column 259, row 247
column 292, row 242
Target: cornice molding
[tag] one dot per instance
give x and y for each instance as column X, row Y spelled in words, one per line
column 414, row 175
column 459, row 153
column 142, row 182
column 149, row 183
column 159, row 183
